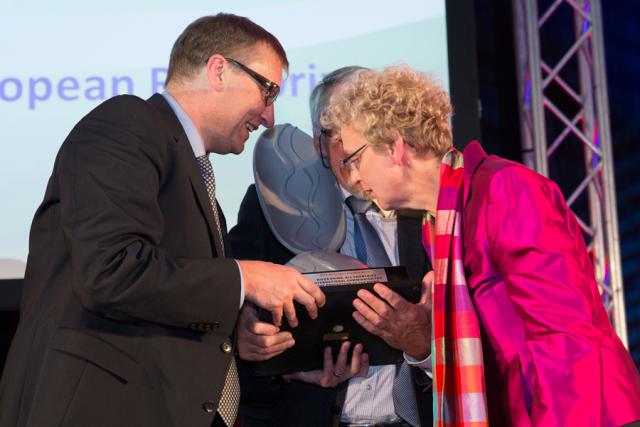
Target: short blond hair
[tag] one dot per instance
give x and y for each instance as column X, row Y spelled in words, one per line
column 396, row 99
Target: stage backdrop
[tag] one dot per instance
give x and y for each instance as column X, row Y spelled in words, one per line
column 61, row 59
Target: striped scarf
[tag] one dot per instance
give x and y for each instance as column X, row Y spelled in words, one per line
column 459, row 397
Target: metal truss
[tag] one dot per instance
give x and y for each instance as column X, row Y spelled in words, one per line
column 563, row 101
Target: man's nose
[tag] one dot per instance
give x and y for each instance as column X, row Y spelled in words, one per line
column 351, row 174
column 354, row 173
column 267, row 118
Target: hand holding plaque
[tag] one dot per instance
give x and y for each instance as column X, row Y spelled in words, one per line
column 335, row 323
column 401, row 324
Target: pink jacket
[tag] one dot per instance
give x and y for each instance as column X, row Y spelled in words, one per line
column 551, row 355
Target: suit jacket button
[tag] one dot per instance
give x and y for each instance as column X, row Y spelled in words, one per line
column 226, row 347
column 209, row 407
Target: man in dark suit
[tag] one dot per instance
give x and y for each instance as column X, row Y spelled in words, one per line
column 130, row 296
column 329, row 396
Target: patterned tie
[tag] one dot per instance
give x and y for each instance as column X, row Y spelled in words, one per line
column 230, row 397
column 210, row 182
column 369, row 248
column 404, row 398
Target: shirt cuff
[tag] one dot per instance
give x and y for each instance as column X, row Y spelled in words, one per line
column 242, row 288
column 424, row 365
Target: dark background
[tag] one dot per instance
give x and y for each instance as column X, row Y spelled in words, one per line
column 484, row 67
column 500, row 125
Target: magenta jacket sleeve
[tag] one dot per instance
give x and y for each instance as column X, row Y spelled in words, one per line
column 577, row 370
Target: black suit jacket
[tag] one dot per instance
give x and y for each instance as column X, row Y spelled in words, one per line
column 270, row 402
column 126, row 304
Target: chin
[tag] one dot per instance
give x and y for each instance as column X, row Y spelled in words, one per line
column 359, row 193
column 238, row 148
column 389, row 204
column 356, row 190
column 386, row 206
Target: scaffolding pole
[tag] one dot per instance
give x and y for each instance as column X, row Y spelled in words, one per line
column 581, row 116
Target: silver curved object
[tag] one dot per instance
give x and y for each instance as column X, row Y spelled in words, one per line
column 300, row 199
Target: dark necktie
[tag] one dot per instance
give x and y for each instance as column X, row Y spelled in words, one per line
column 369, row 247
column 230, row 397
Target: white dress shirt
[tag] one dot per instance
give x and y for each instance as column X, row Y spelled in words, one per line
column 369, row 399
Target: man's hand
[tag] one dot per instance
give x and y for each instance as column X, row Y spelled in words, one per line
column 257, row 340
column 399, row 323
column 274, row 287
column 333, row 374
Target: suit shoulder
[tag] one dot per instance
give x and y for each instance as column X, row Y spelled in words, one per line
column 124, row 121
column 499, row 178
column 122, row 108
column 507, row 170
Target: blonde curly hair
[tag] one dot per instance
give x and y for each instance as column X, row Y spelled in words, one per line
column 396, row 99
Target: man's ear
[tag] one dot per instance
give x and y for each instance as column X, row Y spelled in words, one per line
column 215, row 70
column 399, row 150
column 316, row 142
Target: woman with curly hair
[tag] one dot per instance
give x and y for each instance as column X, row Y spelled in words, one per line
column 520, row 335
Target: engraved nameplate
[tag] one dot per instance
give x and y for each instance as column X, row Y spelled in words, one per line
column 361, row 276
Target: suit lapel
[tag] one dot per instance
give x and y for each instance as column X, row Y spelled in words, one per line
column 188, row 160
column 414, row 257
column 410, row 250
column 225, row 235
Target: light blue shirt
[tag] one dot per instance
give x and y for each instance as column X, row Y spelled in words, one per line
column 197, row 145
column 369, row 399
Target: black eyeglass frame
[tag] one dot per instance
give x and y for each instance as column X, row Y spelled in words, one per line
column 349, row 162
column 325, row 138
column 270, row 89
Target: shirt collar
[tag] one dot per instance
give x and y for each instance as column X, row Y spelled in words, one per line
column 197, row 145
column 385, row 214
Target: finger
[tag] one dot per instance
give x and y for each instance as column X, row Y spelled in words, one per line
column 356, row 356
column 364, row 366
column 428, row 278
column 327, row 378
column 252, row 352
column 311, row 377
column 292, row 376
column 391, row 297
column 366, row 312
column 307, row 300
column 290, row 312
column 266, row 341
column 264, row 353
column 341, row 361
column 327, row 362
column 263, row 328
column 427, row 287
column 362, row 321
column 316, row 377
column 379, row 306
column 276, row 315
column 312, row 289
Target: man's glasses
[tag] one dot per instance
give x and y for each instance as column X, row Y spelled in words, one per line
column 325, row 138
column 352, row 162
column 270, row 89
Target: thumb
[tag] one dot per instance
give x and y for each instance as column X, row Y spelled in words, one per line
column 427, row 286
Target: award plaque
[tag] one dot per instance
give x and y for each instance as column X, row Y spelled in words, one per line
column 335, row 323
